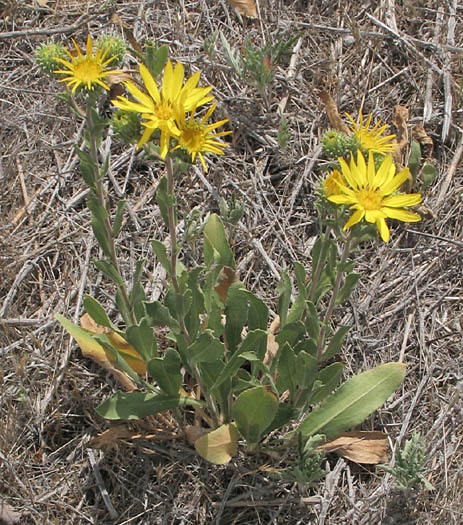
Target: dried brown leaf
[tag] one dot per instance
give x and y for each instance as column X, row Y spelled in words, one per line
column 245, row 7
column 419, row 133
column 368, row 447
column 226, row 277
column 8, row 516
column 400, row 121
column 97, row 353
column 110, row 437
column 333, row 113
column 116, row 19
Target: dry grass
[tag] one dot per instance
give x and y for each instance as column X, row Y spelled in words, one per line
column 410, row 294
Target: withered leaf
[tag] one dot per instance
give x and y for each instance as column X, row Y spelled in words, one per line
column 424, row 139
column 333, row 113
column 368, row 447
column 116, row 19
column 226, row 277
column 245, row 7
column 400, row 121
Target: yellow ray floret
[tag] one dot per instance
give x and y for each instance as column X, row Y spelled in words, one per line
column 198, row 138
column 158, row 108
column 372, row 139
column 86, row 70
column 373, row 193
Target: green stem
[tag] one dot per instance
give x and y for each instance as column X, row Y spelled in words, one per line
column 100, row 194
column 173, row 265
column 318, row 269
column 332, row 303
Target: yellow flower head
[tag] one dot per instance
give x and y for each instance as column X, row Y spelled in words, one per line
column 158, row 109
column 372, row 139
column 372, row 194
column 86, row 70
column 332, row 182
column 197, row 137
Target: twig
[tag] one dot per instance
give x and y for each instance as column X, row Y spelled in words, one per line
column 447, row 78
column 25, row 270
column 99, row 481
column 48, row 31
column 427, row 109
column 448, row 178
column 302, row 179
column 406, row 43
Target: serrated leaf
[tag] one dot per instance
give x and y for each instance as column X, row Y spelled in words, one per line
column 346, row 290
column 219, row 445
column 354, row 401
column 206, row 348
column 166, row 372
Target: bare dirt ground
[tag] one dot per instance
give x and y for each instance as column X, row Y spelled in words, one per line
column 370, row 54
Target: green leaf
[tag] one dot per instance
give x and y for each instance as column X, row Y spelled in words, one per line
column 428, row 175
column 118, row 218
column 156, row 58
column 122, row 305
column 137, row 295
column 98, row 217
column 312, row 322
column 206, row 348
column 335, row 344
column 236, row 314
column 291, row 333
column 287, row 371
column 166, row 372
column 296, row 310
column 98, row 314
column 354, row 401
column 344, row 293
column 306, row 373
column 141, row 337
column 253, row 411
column 158, row 315
column 135, row 405
column 160, row 250
column 109, row 270
column 250, row 342
column 414, row 159
column 87, row 168
column 284, row 292
column 283, row 416
column 164, row 200
column 216, row 248
column 301, row 278
column 197, row 308
column 219, row 445
column 326, row 382
column 258, row 319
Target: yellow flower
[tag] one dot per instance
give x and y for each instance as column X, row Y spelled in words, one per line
column 158, row 108
column 371, row 139
column 197, row 137
column 86, row 70
column 372, row 194
column 332, row 182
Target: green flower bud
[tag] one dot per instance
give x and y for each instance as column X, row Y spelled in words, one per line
column 45, row 57
column 335, row 144
column 126, row 126
column 116, row 47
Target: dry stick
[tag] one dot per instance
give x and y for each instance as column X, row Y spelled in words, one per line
column 447, row 79
column 427, row 110
column 99, row 481
column 404, row 342
column 406, row 43
column 448, row 178
column 55, row 31
column 291, row 73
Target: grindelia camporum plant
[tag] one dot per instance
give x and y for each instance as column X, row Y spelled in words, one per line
column 204, row 351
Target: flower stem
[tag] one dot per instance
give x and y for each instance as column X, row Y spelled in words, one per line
column 173, row 265
column 332, row 303
column 100, row 194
